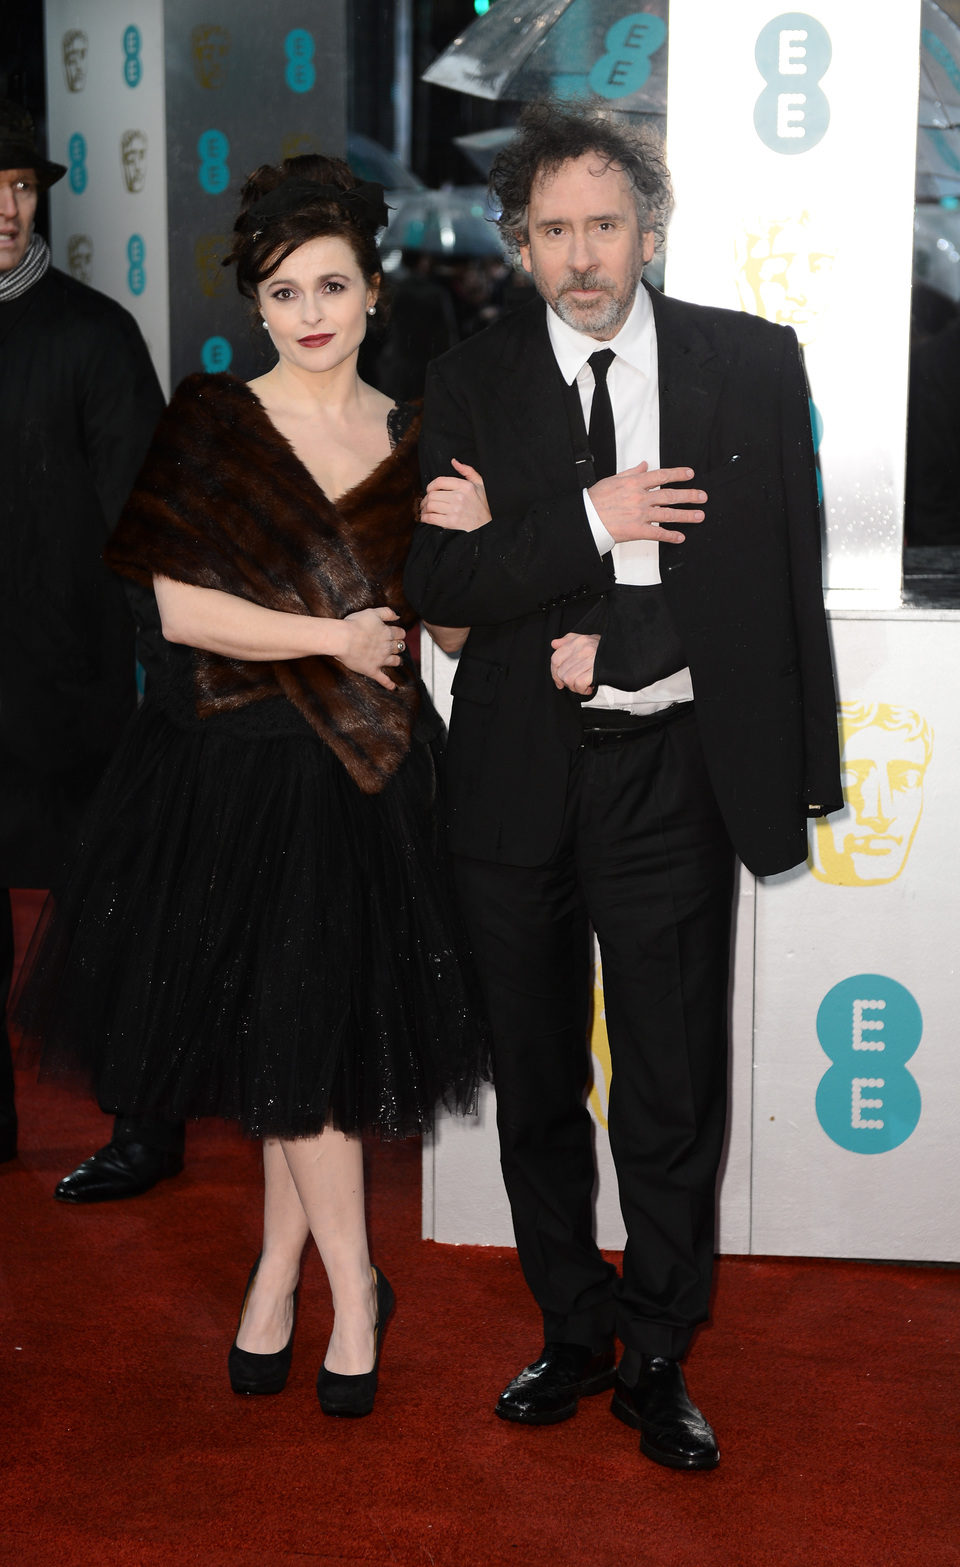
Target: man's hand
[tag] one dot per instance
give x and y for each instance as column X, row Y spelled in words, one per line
column 631, row 506
column 456, row 503
column 572, row 663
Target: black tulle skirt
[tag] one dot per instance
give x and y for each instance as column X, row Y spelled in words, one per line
column 244, row 934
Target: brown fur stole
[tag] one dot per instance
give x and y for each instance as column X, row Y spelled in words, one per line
column 222, row 501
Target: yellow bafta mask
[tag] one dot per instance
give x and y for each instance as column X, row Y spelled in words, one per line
column 600, row 1051
column 208, row 252
column 298, row 144
column 74, row 48
column 884, row 755
column 210, row 47
column 783, row 273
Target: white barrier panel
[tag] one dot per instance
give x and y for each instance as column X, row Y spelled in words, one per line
column 857, row 1094
column 791, row 140
column 845, row 1071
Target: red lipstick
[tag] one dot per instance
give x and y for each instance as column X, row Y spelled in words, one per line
column 317, row 341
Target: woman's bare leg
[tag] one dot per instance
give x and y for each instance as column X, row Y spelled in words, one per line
column 268, row 1319
column 327, row 1172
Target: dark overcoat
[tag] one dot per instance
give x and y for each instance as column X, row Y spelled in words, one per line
column 79, row 400
column 743, row 591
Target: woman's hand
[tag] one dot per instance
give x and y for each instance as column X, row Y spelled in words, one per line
column 374, row 641
column 456, row 503
column 572, row 663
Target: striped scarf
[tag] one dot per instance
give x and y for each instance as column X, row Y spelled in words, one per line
column 30, row 270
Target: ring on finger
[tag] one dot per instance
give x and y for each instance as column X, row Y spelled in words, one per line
column 401, row 646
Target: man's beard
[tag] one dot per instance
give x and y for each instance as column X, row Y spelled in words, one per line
column 602, row 317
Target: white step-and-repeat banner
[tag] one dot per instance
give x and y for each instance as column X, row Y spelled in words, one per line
column 160, row 109
column 106, row 120
column 792, row 142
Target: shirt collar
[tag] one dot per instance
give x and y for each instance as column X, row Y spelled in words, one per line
column 635, row 342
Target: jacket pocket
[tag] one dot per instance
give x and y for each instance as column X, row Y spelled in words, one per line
column 476, row 680
column 735, row 467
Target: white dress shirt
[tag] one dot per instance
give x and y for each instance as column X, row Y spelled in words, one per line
column 635, row 400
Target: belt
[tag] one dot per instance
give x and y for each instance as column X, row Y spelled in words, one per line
column 618, row 728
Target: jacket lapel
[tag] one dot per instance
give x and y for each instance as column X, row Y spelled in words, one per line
column 529, row 386
column 690, row 375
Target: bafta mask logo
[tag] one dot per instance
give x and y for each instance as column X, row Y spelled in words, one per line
column 80, row 257
column 75, row 46
column 298, row 143
column 210, row 47
column 600, row 1052
column 784, row 268
column 208, row 254
column 133, row 157
column 885, row 752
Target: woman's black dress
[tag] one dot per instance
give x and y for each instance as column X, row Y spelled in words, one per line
column 244, row 933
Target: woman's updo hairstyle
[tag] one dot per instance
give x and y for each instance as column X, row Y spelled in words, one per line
column 310, row 197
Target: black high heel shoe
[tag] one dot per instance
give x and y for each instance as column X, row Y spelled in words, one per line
column 250, row 1373
column 354, row 1396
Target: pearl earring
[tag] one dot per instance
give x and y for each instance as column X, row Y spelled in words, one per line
column 264, row 325
column 371, row 310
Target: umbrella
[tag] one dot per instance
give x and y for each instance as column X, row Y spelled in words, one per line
column 599, row 50
column 481, row 147
column 938, row 141
column 370, row 161
column 453, row 222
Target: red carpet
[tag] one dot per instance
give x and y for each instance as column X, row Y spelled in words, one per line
column 834, row 1388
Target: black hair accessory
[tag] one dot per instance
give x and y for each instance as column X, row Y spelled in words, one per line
column 295, row 193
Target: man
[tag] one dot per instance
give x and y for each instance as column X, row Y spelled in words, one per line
column 78, row 403
column 624, row 810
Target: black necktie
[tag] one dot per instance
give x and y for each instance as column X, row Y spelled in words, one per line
column 602, row 434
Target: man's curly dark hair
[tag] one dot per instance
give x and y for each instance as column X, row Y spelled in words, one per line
column 549, row 134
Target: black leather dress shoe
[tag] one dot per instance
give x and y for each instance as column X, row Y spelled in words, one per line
column 548, row 1390
column 672, row 1429
column 118, row 1170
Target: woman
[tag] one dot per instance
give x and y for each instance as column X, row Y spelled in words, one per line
column 257, row 925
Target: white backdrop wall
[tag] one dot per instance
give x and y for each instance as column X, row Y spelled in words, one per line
column 792, row 144
column 106, row 121
column 160, row 109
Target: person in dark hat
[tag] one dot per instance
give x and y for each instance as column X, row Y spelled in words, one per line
column 79, row 400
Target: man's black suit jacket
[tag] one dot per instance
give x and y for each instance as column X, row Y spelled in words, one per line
column 743, row 591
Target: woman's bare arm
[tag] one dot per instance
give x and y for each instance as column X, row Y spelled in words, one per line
column 366, row 642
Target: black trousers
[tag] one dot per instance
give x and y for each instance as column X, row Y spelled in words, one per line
column 8, row 1114
column 645, row 859
column 154, row 1131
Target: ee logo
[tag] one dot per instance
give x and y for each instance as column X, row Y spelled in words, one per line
column 816, row 427
column 136, row 276
column 213, row 149
column 869, row 1026
column 300, row 74
column 792, row 114
column 77, row 152
column 631, row 43
column 132, row 68
column 216, row 354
